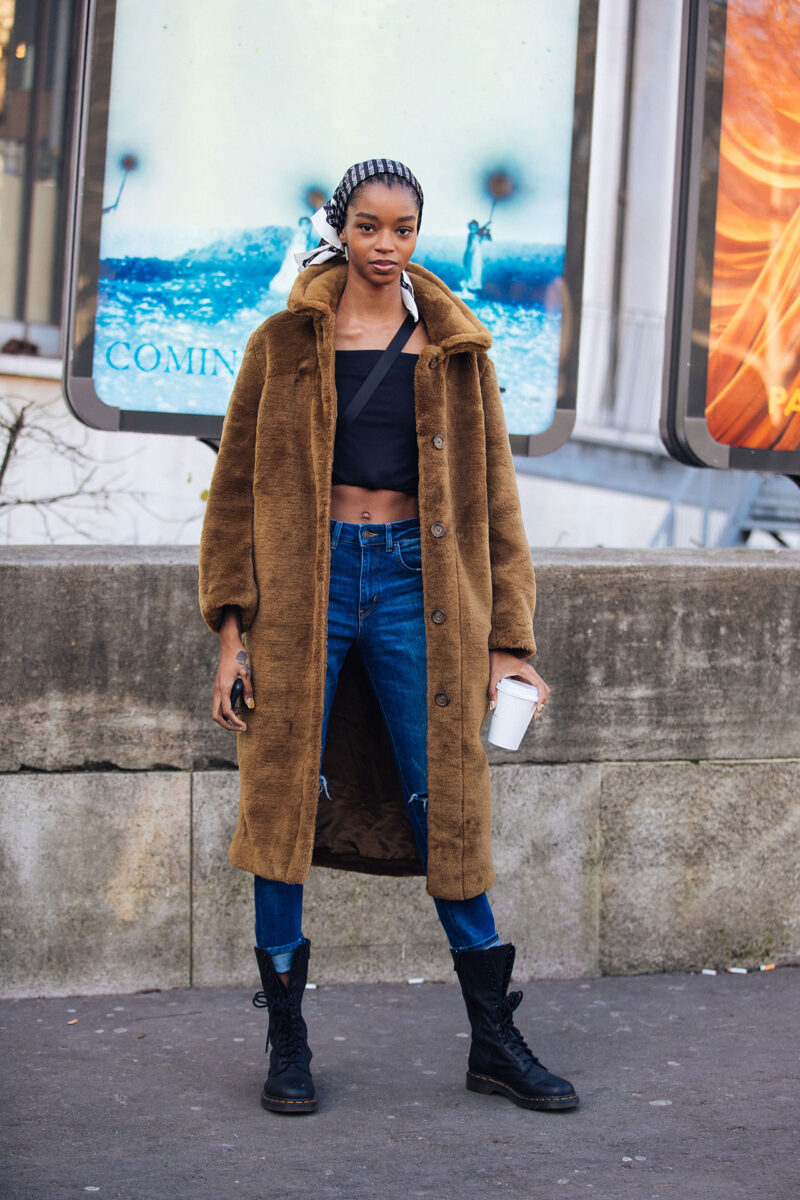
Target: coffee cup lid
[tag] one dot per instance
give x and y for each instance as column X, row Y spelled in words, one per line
column 515, row 687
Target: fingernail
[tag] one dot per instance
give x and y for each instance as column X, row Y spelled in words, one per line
column 492, row 704
column 251, row 702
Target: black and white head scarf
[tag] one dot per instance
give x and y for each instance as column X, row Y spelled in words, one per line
column 329, row 221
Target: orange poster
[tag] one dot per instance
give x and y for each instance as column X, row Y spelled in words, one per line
column 753, row 383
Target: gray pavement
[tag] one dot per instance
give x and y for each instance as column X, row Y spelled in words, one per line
column 689, row 1088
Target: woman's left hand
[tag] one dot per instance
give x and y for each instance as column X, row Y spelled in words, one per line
column 503, row 665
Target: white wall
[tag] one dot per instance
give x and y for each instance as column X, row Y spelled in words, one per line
column 647, row 210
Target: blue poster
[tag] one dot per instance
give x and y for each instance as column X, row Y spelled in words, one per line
column 229, row 125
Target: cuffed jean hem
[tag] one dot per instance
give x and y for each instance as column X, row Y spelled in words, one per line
column 484, row 945
column 282, row 955
column 468, row 924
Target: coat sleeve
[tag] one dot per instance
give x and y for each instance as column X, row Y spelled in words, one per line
column 513, row 582
column 226, row 540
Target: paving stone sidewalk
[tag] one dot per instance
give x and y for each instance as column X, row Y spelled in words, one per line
column 688, row 1083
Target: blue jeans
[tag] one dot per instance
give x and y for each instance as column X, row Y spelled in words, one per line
column 375, row 600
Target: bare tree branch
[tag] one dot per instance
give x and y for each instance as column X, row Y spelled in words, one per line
column 27, row 439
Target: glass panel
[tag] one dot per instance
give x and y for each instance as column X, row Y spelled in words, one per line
column 753, row 382
column 35, row 43
column 16, row 74
column 44, row 250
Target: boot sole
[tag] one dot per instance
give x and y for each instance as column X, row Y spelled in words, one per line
column 293, row 1107
column 486, row 1085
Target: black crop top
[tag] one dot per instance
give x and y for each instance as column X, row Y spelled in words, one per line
column 379, row 448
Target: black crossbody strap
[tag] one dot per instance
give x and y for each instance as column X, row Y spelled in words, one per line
column 378, row 372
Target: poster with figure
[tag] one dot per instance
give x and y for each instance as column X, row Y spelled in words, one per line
column 215, row 131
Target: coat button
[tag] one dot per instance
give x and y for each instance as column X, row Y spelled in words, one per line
column 438, row 529
column 433, row 362
column 438, row 441
column 438, row 616
column 442, row 699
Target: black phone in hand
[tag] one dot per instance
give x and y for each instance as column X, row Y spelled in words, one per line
column 237, row 691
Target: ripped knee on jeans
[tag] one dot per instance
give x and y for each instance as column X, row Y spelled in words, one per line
column 323, row 786
column 422, row 797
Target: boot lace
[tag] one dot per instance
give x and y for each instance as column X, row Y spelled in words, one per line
column 287, row 1035
column 508, row 1030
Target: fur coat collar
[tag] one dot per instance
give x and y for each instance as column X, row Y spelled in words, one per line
column 451, row 326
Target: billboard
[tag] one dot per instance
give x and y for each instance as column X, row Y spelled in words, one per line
column 732, row 395
column 210, row 133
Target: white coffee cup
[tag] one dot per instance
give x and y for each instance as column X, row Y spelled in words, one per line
column 516, row 702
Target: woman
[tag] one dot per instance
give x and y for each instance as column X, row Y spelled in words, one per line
column 473, row 256
column 380, row 574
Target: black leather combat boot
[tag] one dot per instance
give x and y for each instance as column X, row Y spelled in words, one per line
column 499, row 1059
column 289, row 1087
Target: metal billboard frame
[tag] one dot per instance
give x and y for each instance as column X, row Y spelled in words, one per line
column 80, row 307
column 683, row 425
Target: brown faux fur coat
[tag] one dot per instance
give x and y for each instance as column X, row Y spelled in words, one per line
column 265, row 546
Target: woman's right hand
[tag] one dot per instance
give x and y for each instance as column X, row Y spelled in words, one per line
column 234, row 661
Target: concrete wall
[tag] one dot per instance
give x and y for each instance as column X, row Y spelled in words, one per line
column 650, row 821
